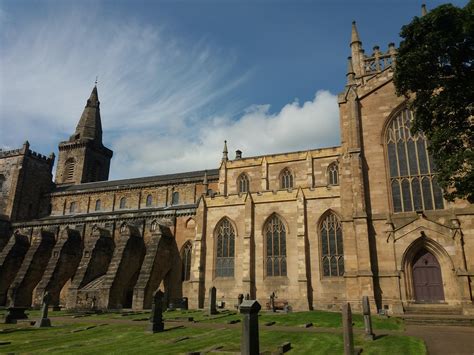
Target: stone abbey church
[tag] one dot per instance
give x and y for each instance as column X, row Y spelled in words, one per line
column 317, row 227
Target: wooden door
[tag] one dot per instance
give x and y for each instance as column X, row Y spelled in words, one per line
column 427, row 279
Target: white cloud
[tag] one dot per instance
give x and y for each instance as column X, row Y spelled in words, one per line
column 156, row 91
column 296, row 127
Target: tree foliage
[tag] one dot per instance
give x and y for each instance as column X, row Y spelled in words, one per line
column 434, row 69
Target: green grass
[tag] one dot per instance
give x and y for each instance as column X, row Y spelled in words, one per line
column 132, row 338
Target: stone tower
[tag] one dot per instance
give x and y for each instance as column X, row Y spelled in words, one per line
column 83, row 158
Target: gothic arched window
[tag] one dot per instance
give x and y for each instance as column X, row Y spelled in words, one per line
column 412, row 172
column 275, row 240
column 97, row 205
column 175, row 198
column 332, row 250
column 123, row 203
column 286, row 179
column 72, row 207
column 69, row 169
column 186, row 260
column 333, row 174
column 243, row 183
column 149, row 201
column 225, row 249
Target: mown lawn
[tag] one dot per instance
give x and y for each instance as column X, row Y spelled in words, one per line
column 132, row 338
column 105, row 336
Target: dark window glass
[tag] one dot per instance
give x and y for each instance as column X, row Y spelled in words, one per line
column 422, row 156
column 415, row 188
column 406, row 196
column 438, row 195
column 225, row 249
column 332, row 258
column 243, row 183
column 392, row 159
column 276, row 254
column 123, row 203
column 426, row 186
column 333, row 174
column 402, row 159
column 286, row 179
column 412, row 157
column 186, row 259
column 175, row 198
column 149, row 201
column 97, row 205
column 396, row 196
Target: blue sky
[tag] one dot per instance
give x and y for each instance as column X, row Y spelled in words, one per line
column 176, row 78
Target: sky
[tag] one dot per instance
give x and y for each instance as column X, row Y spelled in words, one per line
column 177, row 78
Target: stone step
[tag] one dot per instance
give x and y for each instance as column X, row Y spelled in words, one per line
column 466, row 322
column 433, row 309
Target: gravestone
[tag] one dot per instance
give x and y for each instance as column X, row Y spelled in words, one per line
column 347, row 329
column 156, row 319
column 369, row 334
column 247, row 296
column 212, row 301
column 249, row 341
column 240, row 299
column 44, row 321
column 94, row 303
column 272, row 302
column 14, row 313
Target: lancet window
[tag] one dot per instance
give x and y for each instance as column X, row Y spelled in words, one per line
column 225, row 249
column 275, row 240
column 186, row 260
column 286, row 179
column 332, row 250
column 333, row 174
column 243, row 183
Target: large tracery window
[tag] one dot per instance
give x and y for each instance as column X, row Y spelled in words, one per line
column 286, row 179
column 412, row 172
column 275, row 239
column 243, row 183
column 225, row 249
column 332, row 251
column 186, row 259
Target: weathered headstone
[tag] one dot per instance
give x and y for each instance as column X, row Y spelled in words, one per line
column 247, row 296
column 249, row 342
column 184, row 304
column 14, row 313
column 240, row 299
column 272, row 302
column 44, row 321
column 347, row 329
column 369, row 334
column 212, row 301
column 156, row 319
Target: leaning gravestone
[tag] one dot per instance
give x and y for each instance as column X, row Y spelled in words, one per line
column 272, row 302
column 44, row 321
column 347, row 329
column 212, row 301
column 240, row 299
column 249, row 342
column 156, row 319
column 369, row 334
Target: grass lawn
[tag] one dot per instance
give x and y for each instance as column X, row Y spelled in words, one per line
column 103, row 335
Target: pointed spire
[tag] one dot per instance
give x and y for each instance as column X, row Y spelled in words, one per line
column 350, row 71
column 90, row 126
column 225, row 155
column 354, row 34
column 423, row 10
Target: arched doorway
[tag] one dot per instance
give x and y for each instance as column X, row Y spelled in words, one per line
column 427, row 280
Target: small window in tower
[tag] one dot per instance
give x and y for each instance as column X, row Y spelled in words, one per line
column 175, row 198
column 333, row 174
column 123, row 203
column 97, row 205
column 149, row 201
column 69, row 170
column 72, row 207
column 2, row 180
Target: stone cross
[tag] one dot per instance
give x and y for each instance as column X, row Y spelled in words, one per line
column 347, row 329
column 156, row 319
column 272, row 302
column 240, row 299
column 212, row 301
column 369, row 334
column 249, row 341
column 44, row 321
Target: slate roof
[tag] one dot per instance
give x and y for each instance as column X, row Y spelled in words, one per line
column 191, row 176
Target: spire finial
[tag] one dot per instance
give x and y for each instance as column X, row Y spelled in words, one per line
column 354, row 34
column 225, row 152
column 96, row 79
column 350, row 71
column 423, row 10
